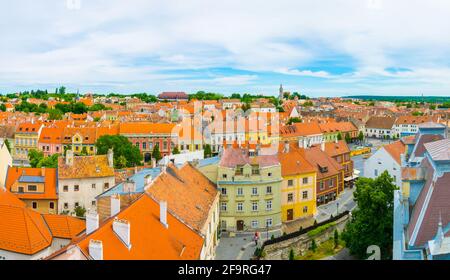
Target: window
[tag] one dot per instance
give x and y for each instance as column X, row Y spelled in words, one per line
column 165, row 145
column 106, row 186
column 269, row 174
column 305, row 195
column 144, row 145
column 65, row 188
column 223, row 206
column 94, row 186
column 224, row 176
column 240, row 191
column 268, row 190
column 66, row 205
column 239, row 170
column 321, row 186
column 255, row 170
column 20, row 189
column 76, row 188
column 330, row 183
column 224, row 191
column 138, row 144
column 290, row 183
column 268, row 222
column 254, row 224
column 32, row 188
column 93, row 202
column 34, row 204
column 290, row 197
column 254, row 191
column 269, row 205
column 76, row 204
column 51, row 205
column 91, row 149
column 254, row 206
column 305, row 181
column 376, row 172
column 305, row 209
column 223, row 224
column 240, row 207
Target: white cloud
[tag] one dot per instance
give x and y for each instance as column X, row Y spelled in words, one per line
column 131, row 42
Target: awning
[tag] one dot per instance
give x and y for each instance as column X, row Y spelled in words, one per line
column 350, row 178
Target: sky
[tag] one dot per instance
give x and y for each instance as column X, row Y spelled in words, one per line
column 317, row 48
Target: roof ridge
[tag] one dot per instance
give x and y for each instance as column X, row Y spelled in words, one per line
column 42, row 234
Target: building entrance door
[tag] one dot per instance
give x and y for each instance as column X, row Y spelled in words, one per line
column 290, row 214
column 240, row 225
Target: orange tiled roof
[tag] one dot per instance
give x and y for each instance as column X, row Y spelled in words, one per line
column 300, row 129
column 63, row 226
column 339, row 148
column 146, row 128
column 14, row 174
column 317, row 157
column 51, row 135
column 395, row 149
column 85, row 167
column 22, row 230
column 189, row 194
column 150, row 239
column 293, row 162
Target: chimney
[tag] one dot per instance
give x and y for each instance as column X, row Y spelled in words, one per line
column 163, row 213
column 111, row 158
column 129, row 186
column 122, row 229
column 322, row 146
column 92, row 222
column 286, row 147
column 115, row 204
column 96, row 249
column 69, row 157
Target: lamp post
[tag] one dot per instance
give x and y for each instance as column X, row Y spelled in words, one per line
column 337, row 208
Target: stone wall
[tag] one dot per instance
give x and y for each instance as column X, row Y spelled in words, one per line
column 301, row 243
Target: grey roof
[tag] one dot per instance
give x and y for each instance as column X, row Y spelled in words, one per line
column 31, row 179
column 138, row 178
column 439, row 150
column 431, row 125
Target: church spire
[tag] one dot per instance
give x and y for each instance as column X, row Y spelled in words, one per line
column 281, row 95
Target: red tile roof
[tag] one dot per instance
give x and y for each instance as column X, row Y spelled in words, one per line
column 50, row 181
column 150, row 239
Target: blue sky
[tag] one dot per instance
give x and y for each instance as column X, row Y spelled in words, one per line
column 331, row 48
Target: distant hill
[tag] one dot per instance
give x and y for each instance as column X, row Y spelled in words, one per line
column 428, row 99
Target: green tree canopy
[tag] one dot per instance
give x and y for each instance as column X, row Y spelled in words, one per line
column 372, row 221
column 121, row 147
column 207, row 151
column 175, row 150
column 37, row 159
column 339, row 136
column 294, row 120
column 156, row 154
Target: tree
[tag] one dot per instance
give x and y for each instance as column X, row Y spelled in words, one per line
column 49, row 161
column 156, row 154
column 372, row 220
column 336, row 238
column 121, row 147
column 62, row 90
column 313, row 246
column 294, row 120
column 8, row 145
column 35, row 156
column 361, row 136
column 348, row 139
column 37, row 159
column 432, row 107
column 3, row 107
column 339, row 136
column 207, row 151
column 55, row 114
column 175, row 151
column 291, row 255
column 80, row 211
column 121, row 162
column 84, row 151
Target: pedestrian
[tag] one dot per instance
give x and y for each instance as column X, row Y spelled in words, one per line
column 256, row 237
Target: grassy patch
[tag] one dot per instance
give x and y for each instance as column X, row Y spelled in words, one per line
column 320, row 229
column 325, row 249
